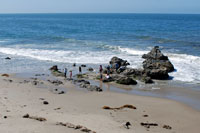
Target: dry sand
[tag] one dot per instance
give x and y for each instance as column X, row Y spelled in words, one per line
column 85, row 108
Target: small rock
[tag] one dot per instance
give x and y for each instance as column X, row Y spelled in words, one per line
column 127, row 125
column 90, row 69
column 62, row 92
column 56, row 82
column 83, row 65
column 45, row 102
column 26, row 116
column 8, row 58
column 167, row 127
column 74, row 65
column 145, row 116
column 54, row 68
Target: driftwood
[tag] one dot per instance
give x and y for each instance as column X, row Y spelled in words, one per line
column 76, row 127
column 119, row 108
column 35, row 118
column 148, row 125
column 5, row 75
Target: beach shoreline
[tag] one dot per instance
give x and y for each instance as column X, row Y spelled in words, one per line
column 77, row 106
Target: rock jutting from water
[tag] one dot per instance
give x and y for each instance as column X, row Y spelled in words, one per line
column 157, row 65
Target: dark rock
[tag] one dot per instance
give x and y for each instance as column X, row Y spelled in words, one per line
column 156, row 65
column 82, row 85
column 45, row 102
column 62, row 92
column 90, row 69
column 127, row 125
column 8, row 80
column 54, row 68
column 119, row 61
column 156, row 60
column 83, row 65
column 26, row 116
column 147, row 80
column 121, row 69
column 167, row 127
column 56, row 82
column 133, row 72
column 148, row 125
column 145, row 115
column 155, row 54
column 126, row 81
column 8, row 58
column 94, row 88
column 81, row 81
column 84, row 81
column 35, row 82
column 56, row 72
column 158, row 74
column 74, row 65
column 39, row 75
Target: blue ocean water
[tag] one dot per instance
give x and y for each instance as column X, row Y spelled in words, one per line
column 37, row 41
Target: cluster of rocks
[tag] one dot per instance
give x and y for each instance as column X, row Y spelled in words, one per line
column 86, row 84
column 155, row 66
column 56, row 82
column 80, row 82
column 55, row 71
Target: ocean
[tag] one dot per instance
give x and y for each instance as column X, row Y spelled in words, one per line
column 37, row 41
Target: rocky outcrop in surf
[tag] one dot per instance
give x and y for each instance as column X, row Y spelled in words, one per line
column 157, row 65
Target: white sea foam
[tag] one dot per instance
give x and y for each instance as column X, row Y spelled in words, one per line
column 187, row 66
column 133, row 51
column 59, row 55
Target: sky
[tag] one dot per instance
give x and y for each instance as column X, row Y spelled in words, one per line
column 100, row 6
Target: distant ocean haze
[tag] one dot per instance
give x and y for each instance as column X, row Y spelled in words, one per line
column 37, row 41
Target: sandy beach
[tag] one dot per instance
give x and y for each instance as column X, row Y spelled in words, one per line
column 61, row 108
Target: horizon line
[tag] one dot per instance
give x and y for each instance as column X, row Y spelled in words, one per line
column 97, row 13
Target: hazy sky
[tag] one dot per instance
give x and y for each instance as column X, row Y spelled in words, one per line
column 100, row 6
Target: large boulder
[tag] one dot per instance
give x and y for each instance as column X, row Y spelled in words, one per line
column 139, row 74
column 156, row 60
column 158, row 74
column 157, row 65
column 54, row 68
column 133, row 72
column 126, row 81
column 115, row 60
column 155, row 54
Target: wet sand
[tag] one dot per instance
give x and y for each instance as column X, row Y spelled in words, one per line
column 20, row 96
